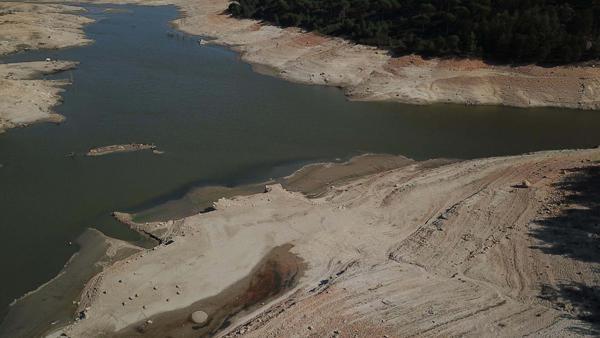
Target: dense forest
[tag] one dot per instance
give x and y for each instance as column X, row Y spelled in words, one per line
column 512, row 31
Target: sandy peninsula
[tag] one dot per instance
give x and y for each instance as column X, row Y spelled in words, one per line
column 24, row 98
column 497, row 246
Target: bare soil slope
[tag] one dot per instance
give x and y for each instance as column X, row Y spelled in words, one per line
column 425, row 249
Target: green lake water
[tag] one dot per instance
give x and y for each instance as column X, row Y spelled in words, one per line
column 218, row 123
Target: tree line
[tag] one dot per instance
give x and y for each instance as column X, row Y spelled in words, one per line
column 509, row 31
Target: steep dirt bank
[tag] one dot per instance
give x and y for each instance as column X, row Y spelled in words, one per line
column 24, row 98
column 444, row 249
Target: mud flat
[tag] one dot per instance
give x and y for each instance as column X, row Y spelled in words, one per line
column 54, row 304
column 24, row 98
column 438, row 249
column 122, row 148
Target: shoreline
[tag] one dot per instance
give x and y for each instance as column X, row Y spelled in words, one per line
column 369, row 74
column 25, row 97
column 54, row 303
column 179, row 229
column 377, row 214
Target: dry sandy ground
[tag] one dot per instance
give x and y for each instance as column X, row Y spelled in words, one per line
column 24, row 98
column 23, row 26
column 425, row 249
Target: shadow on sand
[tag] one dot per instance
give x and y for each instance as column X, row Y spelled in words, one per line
column 575, row 233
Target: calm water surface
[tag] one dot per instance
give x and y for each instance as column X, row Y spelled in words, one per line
column 219, row 123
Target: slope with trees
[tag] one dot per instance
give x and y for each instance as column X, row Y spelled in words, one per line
column 511, row 31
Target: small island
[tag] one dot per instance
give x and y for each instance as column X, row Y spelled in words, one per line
column 121, row 148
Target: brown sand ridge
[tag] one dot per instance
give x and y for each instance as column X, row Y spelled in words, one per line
column 498, row 246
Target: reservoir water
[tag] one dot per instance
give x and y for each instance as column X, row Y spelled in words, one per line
column 218, row 122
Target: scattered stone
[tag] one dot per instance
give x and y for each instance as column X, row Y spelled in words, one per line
column 199, row 317
column 149, row 321
column 310, row 328
column 525, row 184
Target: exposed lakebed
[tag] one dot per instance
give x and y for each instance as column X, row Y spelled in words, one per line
column 219, row 123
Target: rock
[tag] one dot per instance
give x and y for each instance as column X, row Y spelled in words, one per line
column 149, row 321
column 525, row 184
column 199, row 317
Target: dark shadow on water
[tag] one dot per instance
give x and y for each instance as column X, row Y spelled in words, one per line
column 575, row 233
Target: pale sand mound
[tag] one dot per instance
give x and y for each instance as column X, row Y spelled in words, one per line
column 434, row 250
column 25, row 99
column 26, row 26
